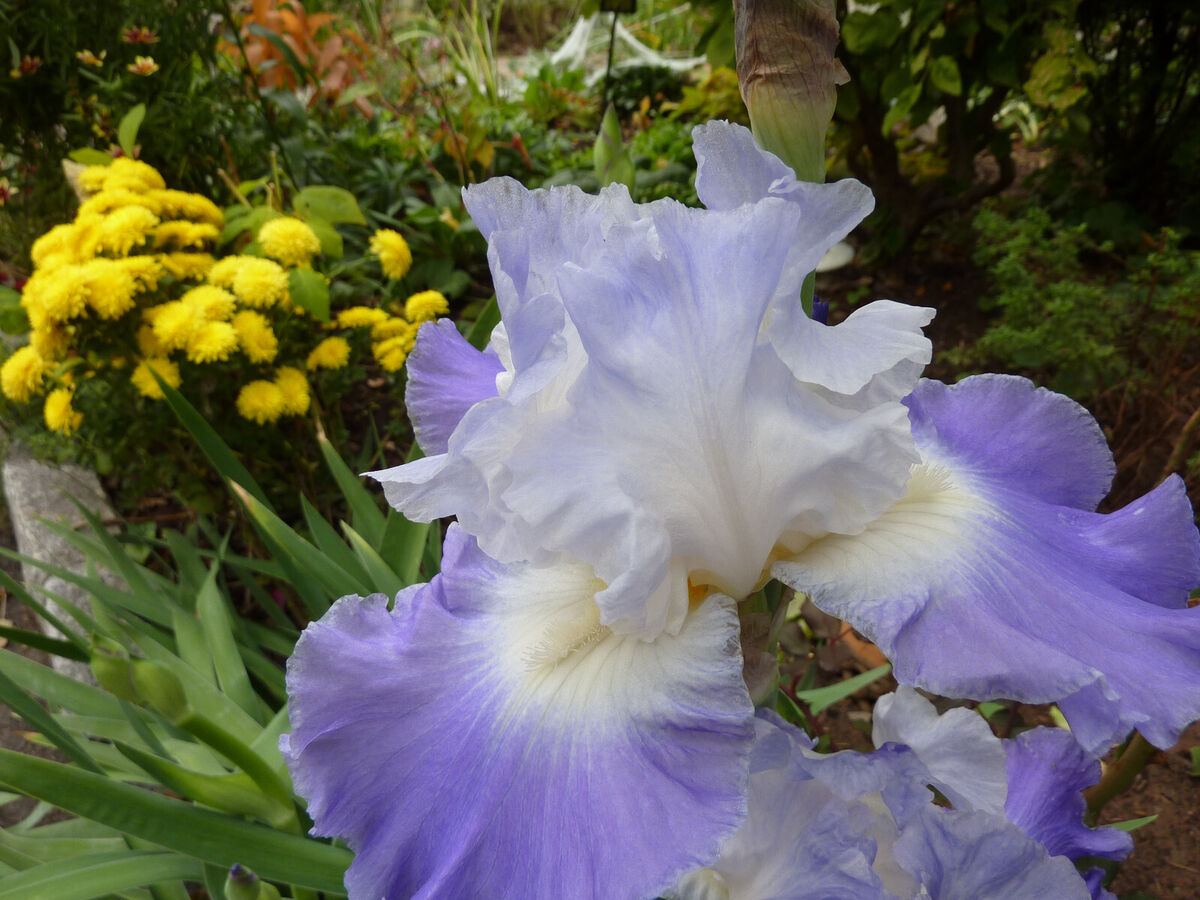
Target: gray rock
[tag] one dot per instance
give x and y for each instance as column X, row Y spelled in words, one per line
column 37, row 490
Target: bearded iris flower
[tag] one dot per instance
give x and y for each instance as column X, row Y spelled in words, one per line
column 855, row 826
column 654, row 431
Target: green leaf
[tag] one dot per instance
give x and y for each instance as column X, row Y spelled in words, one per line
column 252, row 220
column 944, row 74
column 98, row 874
column 383, row 577
column 824, row 697
column 901, row 107
column 90, row 156
column 128, row 129
column 59, row 690
column 1132, row 824
column 356, row 90
column 610, row 157
column 12, row 315
column 480, row 331
column 235, row 793
column 219, row 839
column 869, row 32
column 330, row 543
column 33, row 714
column 332, row 246
column 310, row 291
column 403, row 546
column 210, row 442
column 39, row 641
column 333, row 204
column 365, row 514
column 218, row 625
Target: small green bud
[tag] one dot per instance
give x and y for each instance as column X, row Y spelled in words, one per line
column 241, row 884
column 112, row 668
column 158, row 687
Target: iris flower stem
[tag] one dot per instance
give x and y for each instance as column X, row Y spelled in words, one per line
column 1119, row 776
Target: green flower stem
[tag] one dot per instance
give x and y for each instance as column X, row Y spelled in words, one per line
column 1119, row 776
column 213, row 735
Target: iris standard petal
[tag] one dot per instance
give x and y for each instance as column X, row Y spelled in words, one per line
column 642, row 424
column 879, row 345
column 988, row 580
column 488, row 738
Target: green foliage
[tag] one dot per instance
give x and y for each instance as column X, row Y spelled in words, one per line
column 190, row 699
column 1074, row 316
column 908, row 59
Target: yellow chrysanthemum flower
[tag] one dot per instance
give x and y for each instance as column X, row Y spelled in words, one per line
column 402, row 338
column 21, row 375
column 50, row 341
column 293, row 384
column 255, row 336
column 360, row 316
column 58, row 242
column 88, row 231
column 148, row 344
column 109, row 201
column 212, row 303
column 60, row 294
column 146, row 270
column 425, row 305
column 58, row 412
column 123, row 171
column 261, row 402
column 92, row 178
column 392, row 360
column 394, row 256
column 289, row 241
column 174, row 324
column 184, row 234
column 331, row 353
column 393, row 327
column 144, row 381
column 110, row 288
column 212, row 342
column 223, row 270
column 182, row 205
column 125, row 228
column 260, row 282
column 186, row 265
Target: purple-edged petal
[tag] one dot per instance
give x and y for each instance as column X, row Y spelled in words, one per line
column 977, row 585
column 1047, row 770
column 800, row 841
column 446, row 377
column 965, row 761
column 489, row 738
column 977, row 856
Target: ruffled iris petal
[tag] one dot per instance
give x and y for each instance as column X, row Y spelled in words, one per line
column 446, row 377
column 800, row 841
column 985, row 581
column 977, row 856
column 1047, row 770
column 965, row 761
column 488, row 738
column 684, row 445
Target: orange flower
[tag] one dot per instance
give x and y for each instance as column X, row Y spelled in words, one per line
column 143, row 65
column 139, row 34
column 27, row 66
column 88, row 58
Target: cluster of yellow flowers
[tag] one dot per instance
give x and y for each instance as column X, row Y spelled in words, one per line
column 138, row 258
